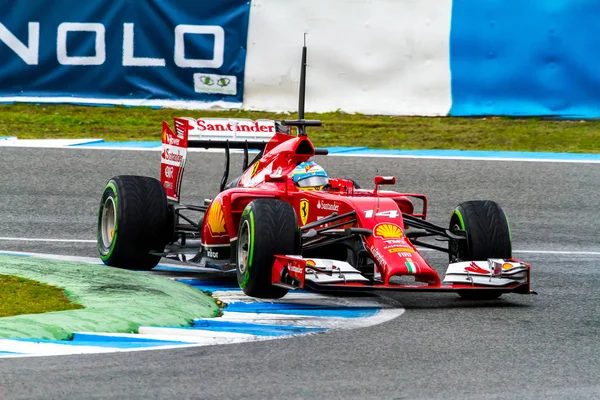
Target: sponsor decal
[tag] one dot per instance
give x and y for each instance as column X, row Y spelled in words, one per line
column 395, row 249
column 31, row 54
column 172, row 156
column 476, row 269
column 411, row 266
column 394, row 243
column 212, row 83
column 388, row 231
column 304, row 206
column 321, row 205
column 168, row 185
column 216, row 220
column 507, row 266
column 169, row 172
column 295, row 269
column 404, row 254
column 231, row 125
column 173, row 141
column 311, row 263
column 378, row 256
column 212, row 254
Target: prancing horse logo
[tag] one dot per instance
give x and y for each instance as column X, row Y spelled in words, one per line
column 303, row 211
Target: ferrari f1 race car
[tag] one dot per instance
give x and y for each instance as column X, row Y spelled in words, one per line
column 285, row 225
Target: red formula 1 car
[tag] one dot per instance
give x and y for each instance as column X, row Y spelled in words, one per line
column 279, row 236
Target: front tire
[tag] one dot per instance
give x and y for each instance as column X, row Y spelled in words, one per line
column 267, row 227
column 132, row 221
column 488, row 236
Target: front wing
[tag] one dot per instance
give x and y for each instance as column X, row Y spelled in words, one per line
column 323, row 275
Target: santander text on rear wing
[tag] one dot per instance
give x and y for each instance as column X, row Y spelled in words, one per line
column 228, row 132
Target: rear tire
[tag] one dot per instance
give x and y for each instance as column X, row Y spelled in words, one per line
column 267, row 227
column 488, row 236
column 133, row 219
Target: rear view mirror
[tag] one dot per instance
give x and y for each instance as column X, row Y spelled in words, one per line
column 385, row 180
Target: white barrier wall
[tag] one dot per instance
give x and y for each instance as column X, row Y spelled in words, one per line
column 367, row 56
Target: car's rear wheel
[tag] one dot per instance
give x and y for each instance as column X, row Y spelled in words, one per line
column 267, row 227
column 488, row 236
column 132, row 221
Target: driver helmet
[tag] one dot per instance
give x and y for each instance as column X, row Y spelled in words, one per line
column 309, row 176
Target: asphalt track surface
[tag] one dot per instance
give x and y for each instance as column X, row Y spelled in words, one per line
column 545, row 346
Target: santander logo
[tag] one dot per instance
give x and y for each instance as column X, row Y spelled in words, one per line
column 226, row 125
column 321, row 205
column 172, row 156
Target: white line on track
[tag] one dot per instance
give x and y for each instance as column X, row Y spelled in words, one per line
column 469, row 158
column 531, row 251
column 571, row 253
column 518, row 157
column 360, row 155
column 553, row 252
column 375, row 155
column 20, row 239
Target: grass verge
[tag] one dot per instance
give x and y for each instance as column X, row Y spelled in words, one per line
column 23, row 296
column 30, row 121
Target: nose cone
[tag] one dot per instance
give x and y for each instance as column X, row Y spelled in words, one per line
column 395, row 255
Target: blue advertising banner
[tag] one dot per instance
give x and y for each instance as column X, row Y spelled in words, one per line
column 525, row 58
column 151, row 52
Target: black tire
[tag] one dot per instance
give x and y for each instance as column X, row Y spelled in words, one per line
column 267, row 227
column 135, row 209
column 488, row 236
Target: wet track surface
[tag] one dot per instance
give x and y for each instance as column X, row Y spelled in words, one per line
column 543, row 346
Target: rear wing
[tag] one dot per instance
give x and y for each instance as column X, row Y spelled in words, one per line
column 208, row 133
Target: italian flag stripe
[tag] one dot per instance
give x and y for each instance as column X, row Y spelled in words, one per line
column 410, row 265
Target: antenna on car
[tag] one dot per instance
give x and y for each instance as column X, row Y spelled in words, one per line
column 302, row 123
column 302, row 91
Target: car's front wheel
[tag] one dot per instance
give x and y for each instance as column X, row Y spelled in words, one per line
column 267, row 227
column 488, row 236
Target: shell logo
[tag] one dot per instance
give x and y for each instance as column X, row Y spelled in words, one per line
column 311, row 263
column 164, row 138
column 388, row 231
column 216, row 220
column 506, row 266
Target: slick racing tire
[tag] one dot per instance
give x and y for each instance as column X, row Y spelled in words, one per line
column 488, row 236
column 267, row 227
column 133, row 220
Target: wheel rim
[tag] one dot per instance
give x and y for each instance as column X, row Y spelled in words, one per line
column 243, row 245
column 109, row 222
